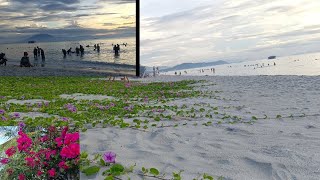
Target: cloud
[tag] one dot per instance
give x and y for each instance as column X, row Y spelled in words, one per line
column 231, row 30
column 119, row 1
column 80, row 18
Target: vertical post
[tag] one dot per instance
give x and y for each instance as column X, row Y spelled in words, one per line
column 137, row 38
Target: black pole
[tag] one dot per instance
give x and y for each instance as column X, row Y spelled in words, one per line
column 138, row 38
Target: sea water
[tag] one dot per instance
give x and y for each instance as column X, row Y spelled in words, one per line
column 303, row 64
column 54, row 55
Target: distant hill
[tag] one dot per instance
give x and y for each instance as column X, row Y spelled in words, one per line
column 41, row 38
column 193, row 65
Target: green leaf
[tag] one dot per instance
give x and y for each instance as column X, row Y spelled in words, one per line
column 102, row 162
column 84, row 155
column 154, row 171
column 91, row 170
column 109, row 178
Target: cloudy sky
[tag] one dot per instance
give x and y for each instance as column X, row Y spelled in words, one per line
column 177, row 31
column 63, row 18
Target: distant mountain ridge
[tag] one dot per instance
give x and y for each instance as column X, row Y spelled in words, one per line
column 41, row 38
column 193, row 65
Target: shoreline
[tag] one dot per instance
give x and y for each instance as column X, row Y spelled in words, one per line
column 10, row 70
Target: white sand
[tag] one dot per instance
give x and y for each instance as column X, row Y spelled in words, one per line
column 28, row 101
column 271, row 148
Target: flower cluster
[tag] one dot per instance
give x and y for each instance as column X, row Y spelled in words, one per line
column 71, row 107
column 48, row 154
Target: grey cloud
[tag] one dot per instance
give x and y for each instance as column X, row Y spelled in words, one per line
column 119, row 1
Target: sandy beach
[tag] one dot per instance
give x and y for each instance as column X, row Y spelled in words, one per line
column 14, row 70
column 267, row 127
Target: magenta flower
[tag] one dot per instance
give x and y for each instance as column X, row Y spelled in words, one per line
column 4, row 160
column 64, row 119
column 2, row 111
column 16, row 115
column 128, row 85
column 109, row 157
column 21, row 125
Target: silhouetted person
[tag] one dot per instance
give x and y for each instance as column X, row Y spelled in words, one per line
column 98, row 48
column 95, row 47
column 81, row 50
column 69, row 51
column 77, row 51
column 274, row 63
column 35, row 52
column 38, row 51
column 118, row 47
column 43, row 57
column 3, row 59
column 25, row 60
column 64, row 52
column 116, row 51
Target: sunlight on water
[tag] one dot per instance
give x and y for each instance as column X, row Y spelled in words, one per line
column 305, row 64
column 54, row 55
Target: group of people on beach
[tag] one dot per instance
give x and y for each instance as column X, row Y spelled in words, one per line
column 155, row 71
column 260, row 66
column 79, row 50
column 116, row 49
column 37, row 52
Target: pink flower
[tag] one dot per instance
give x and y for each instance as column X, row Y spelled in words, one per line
column 71, row 138
column 39, row 173
column 59, row 142
column 71, row 151
column 52, row 172
column 63, row 165
column 4, row 160
column 22, row 177
column 24, row 142
column 30, row 162
column 109, row 157
column 9, row 152
column 44, row 138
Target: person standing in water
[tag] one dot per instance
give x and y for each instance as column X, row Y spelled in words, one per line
column 81, row 50
column 98, row 48
column 38, row 51
column 35, row 53
column 64, row 53
column 274, row 63
column 77, row 51
column 116, row 50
